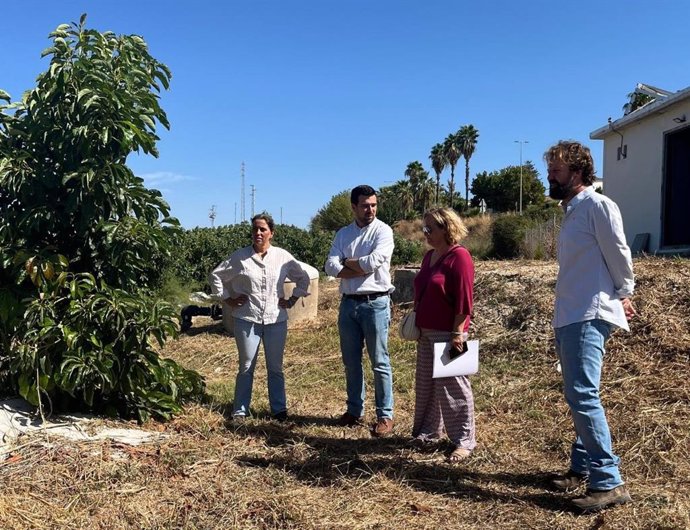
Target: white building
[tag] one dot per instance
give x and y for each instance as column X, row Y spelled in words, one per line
column 647, row 170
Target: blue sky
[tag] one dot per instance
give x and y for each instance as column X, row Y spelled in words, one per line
column 317, row 96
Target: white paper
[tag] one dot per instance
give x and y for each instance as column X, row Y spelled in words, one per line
column 465, row 364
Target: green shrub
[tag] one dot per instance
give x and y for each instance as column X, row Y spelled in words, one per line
column 310, row 247
column 201, row 249
column 544, row 212
column 507, row 235
column 94, row 344
column 406, row 251
column 81, row 237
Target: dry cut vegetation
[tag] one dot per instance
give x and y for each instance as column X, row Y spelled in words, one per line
column 308, row 473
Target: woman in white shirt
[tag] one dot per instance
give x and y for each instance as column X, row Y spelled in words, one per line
column 251, row 282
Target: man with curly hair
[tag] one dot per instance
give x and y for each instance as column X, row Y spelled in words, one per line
column 593, row 290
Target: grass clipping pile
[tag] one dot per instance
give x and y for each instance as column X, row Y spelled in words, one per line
column 308, row 473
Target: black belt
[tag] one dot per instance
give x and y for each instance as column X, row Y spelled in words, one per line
column 365, row 297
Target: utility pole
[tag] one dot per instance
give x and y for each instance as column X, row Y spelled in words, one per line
column 253, row 197
column 212, row 214
column 521, row 142
column 235, row 212
column 242, row 212
column 281, row 215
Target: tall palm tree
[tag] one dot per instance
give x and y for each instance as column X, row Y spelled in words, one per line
column 405, row 194
column 417, row 174
column 467, row 140
column 451, row 149
column 426, row 193
column 439, row 163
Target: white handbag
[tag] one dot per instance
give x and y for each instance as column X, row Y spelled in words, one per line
column 408, row 329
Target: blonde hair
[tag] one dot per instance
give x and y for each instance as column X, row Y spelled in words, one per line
column 450, row 221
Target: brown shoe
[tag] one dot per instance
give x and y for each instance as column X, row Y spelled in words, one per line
column 593, row 501
column 348, row 420
column 570, row 481
column 382, row 428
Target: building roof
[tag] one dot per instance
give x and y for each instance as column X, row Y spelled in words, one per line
column 661, row 102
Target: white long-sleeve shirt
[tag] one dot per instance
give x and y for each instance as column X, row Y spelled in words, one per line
column 595, row 264
column 262, row 280
column 372, row 245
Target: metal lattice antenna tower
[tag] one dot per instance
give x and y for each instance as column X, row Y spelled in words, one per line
column 242, row 216
column 212, row 214
column 253, row 197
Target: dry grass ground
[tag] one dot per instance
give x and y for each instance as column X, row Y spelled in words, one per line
column 308, row 473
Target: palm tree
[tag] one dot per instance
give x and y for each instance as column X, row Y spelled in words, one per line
column 405, row 194
column 451, row 149
column 417, row 174
column 426, row 193
column 467, row 139
column 439, row 163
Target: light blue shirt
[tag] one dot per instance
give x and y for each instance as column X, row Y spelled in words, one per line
column 595, row 265
column 373, row 246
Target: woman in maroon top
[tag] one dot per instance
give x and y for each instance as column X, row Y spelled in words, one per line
column 443, row 303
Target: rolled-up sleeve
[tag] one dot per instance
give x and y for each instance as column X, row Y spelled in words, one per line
column 221, row 276
column 382, row 251
column 334, row 263
column 608, row 230
column 298, row 275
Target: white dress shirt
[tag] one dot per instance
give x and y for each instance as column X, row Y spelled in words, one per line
column 262, row 280
column 372, row 245
column 595, row 263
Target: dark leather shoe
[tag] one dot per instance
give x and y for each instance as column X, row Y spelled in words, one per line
column 348, row 420
column 570, row 481
column 382, row 428
column 281, row 416
column 593, row 501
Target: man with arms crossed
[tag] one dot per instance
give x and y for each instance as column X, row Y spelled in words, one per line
column 595, row 282
column 361, row 257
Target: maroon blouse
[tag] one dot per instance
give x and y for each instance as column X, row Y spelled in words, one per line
column 444, row 289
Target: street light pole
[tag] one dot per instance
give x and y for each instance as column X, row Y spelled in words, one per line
column 521, row 142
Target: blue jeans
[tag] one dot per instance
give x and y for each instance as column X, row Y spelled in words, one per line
column 360, row 323
column 248, row 336
column 580, row 347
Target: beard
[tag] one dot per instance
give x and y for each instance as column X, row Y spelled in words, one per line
column 560, row 191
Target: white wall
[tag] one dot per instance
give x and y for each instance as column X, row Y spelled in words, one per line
column 635, row 182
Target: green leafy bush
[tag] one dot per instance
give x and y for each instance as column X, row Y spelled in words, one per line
column 406, row 251
column 199, row 250
column 307, row 246
column 96, row 344
column 80, row 235
column 507, row 234
column 334, row 215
